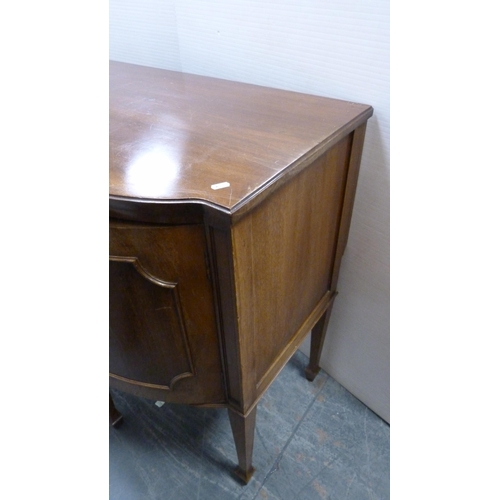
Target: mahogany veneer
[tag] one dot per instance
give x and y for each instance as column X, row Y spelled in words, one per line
column 230, row 207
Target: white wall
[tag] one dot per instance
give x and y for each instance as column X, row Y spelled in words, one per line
column 334, row 48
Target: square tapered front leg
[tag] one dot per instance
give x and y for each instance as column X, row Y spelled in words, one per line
column 243, row 428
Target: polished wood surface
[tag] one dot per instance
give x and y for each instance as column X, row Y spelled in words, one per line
column 230, row 207
column 173, row 135
column 290, row 261
column 160, row 284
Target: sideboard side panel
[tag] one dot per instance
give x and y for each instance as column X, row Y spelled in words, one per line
column 284, row 258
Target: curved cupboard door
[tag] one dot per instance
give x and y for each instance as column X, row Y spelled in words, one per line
column 163, row 335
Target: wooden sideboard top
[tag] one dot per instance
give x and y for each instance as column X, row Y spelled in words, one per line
column 176, row 136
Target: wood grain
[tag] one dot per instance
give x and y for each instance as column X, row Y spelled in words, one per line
column 174, row 135
column 284, row 255
column 213, row 287
column 163, row 334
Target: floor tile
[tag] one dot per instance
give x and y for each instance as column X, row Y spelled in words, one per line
column 312, row 440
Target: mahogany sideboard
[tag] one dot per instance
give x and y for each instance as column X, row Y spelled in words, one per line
column 230, row 206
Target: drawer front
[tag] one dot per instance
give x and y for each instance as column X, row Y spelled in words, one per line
column 163, row 335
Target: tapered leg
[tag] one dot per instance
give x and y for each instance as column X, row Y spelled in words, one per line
column 115, row 416
column 317, row 338
column 243, row 432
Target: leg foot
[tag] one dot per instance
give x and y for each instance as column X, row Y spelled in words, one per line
column 115, row 417
column 311, row 374
column 243, row 432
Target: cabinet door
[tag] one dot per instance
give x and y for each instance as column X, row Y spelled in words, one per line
column 163, row 336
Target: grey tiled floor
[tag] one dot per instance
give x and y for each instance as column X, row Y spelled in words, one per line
column 312, row 441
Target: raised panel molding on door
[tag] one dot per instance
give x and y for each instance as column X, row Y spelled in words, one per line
column 146, row 311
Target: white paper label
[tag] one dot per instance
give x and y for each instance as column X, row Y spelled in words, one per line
column 220, row 185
